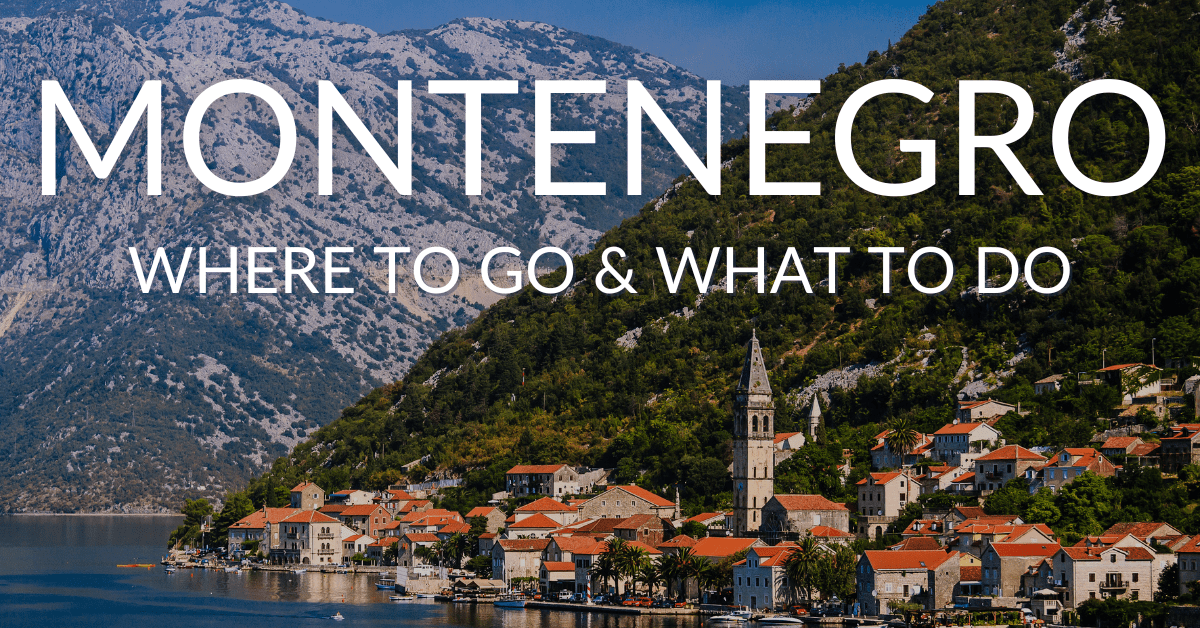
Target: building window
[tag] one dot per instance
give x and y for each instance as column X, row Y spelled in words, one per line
column 1135, row 576
column 1091, row 577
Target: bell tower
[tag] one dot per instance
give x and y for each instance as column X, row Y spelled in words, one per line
column 754, row 442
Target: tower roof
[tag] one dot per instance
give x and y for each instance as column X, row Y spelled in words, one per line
column 754, row 370
column 815, row 411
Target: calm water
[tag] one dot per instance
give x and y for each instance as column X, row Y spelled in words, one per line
column 62, row 571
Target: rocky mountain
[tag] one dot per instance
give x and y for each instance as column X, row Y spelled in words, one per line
column 116, row 400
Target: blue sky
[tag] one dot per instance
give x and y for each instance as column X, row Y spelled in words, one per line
column 727, row 40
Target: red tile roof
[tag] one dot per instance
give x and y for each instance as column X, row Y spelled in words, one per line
column 259, row 518
column 302, row 486
column 455, row 527
column 481, row 511
column 576, row 544
column 1119, row 442
column 638, row 491
column 538, row 521
column 779, row 438
column 536, row 468
column 961, row 428
column 488, row 535
column 1121, row 367
column 602, row 525
column 524, row 545
column 966, row 478
column 681, row 540
column 352, row 539
column 917, row 543
column 971, row 512
column 720, row 546
column 828, row 532
column 970, row 574
column 433, row 512
column 705, row 517
column 881, row 478
column 384, row 542
column 1144, row 449
column 808, row 502
column 1011, row 452
column 1041, row 550
column 310, row 516
column 558, row 566
column 907, row 559
column 363, row 510
column 1141, row 531
column 546, row 504
column 422, row 537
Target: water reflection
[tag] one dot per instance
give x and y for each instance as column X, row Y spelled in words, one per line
column 62, row 570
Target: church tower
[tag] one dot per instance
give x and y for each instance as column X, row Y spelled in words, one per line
column 754, row 442
column 814, row 418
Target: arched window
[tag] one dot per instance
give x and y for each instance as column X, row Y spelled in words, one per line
column 754, row 423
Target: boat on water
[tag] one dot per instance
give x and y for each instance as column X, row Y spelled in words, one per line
column 233, row 570
column 426, row 596
column 780, row 620
column 402, row 598
column 385, row 583
column 510, row 601
column 299, row 571
column 337, row 616
column 169, row 569
column 735, row 617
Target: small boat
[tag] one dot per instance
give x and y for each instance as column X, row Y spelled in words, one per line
column 337, row 616
column 736, row 617
column 510, row 602
column 385, row 583
column 402, row 598
column 233, row 570
column 426, row 596
column 299, row 571
column 458, row 597
column 779, row 620
column 169, row 569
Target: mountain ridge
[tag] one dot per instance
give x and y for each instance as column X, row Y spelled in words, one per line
column 117, row 400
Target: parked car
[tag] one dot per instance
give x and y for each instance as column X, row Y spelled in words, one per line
column 565, row 596
column 600, row 599
column 828, row 611
column 662, row 603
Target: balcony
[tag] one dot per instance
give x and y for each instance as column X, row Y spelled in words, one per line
column 1114, row 583
column 325, row 535
column 325, row 552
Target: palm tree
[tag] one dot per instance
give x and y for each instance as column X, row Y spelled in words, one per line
column 691, row 566
column 669, row 568
column 801, row 566
column 456, row 546
column 438, row 552
column 649, row 575
column 902, row 438
column 425, row 553
column 604, row 568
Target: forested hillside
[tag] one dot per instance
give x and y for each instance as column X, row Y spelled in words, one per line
column 540, row 379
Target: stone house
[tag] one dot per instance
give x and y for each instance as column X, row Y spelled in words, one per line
column 1188, row 557
column 1181, row 447
column 365, row 518
column 517, row 558
column 960, row 444
column 994, row 470
column 307, row 496
column 494, row 516
column 1066, row 466
column 551, row 508
column 258, row 530
column 556, row 480
column 310, row 537
column 925, row 577
column 882, row 457
column 786, row 444
column 794, row 515
column 355, row 544
column 647, row 529
column 1050, row 384
column 1004, row 564
column 409, row 543
column 1100, row 572
column 621, row 502
column 881, row 497
column 1133, row 380
column 351, row 498
column 982, row 410
column 537, row 526
column 1120, row 445
column 759, row 581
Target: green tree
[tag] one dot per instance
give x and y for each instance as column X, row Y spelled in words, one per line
column 902, row 438
column 802, row 565
column 195, row 512
column 694, row 529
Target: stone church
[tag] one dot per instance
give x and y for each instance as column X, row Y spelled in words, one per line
column 753, row 444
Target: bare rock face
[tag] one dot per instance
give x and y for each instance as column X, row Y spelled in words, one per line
column 117, row 400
